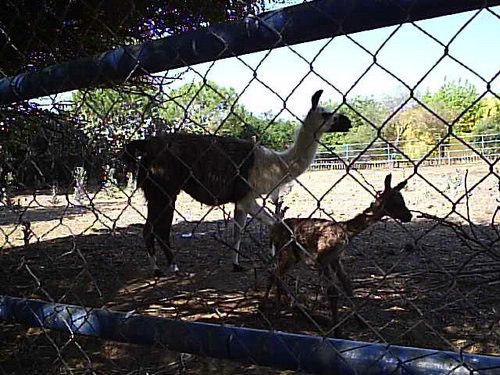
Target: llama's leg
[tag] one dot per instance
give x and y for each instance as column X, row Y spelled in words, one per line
column 162, row 231
column 149, row 241
column 160, row 216
column 260, row 213
column 241, row 210
column 240, row 216
column 277, row 211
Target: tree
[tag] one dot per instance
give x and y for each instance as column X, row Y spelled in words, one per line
column 40, row 33
column 272, row 132
column 208, row 108
column 205, row 108
column 456, row 101
column 111, row 117
column 367, row 116
column 419, row 126
column 489, row 122
column 39, row 147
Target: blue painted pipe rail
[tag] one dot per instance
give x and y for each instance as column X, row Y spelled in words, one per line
column 267, row 348
column 287, row 26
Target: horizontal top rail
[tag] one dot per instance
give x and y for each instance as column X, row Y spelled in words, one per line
column 287, row 26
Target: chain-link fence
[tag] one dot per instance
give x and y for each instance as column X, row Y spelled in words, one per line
column 187, row 119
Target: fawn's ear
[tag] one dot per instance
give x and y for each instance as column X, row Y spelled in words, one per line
column 401, row 185
column 315, row 99
column 387, row 182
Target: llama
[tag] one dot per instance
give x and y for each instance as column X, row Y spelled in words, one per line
column 322, row 242
column 216, row 170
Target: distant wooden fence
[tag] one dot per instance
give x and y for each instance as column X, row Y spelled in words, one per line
column 460, row 150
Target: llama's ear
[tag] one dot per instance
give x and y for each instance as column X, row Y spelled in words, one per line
column 387, row 182
column 401, row 185
column 315, row 99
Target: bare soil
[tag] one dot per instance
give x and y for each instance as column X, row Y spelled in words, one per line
column 422, row 284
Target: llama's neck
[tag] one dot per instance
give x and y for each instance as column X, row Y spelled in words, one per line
column 363, row 220
column 300, row 155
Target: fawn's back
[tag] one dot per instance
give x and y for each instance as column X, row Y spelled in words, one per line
column 317, row 236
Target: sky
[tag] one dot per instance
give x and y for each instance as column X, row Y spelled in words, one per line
column 409, row 54
column 344, row 64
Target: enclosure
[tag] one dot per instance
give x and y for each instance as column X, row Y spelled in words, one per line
column 419, row 81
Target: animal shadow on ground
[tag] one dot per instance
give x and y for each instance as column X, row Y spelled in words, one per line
column 437, row 292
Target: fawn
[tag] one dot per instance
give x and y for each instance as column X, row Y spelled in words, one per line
column 322, row 242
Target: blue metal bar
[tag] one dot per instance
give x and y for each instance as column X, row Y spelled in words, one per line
column 287, row 26
column 267, row 348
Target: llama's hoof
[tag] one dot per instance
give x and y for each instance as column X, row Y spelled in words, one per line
column 238, row 268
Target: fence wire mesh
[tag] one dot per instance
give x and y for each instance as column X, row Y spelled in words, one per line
column 72, row 215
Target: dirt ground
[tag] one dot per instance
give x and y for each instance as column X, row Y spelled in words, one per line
column 423, row 284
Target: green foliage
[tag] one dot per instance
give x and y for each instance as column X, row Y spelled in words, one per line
column 111, row 117
column 456, row 101
column 204, row 108
column 488, row 125
column 490, row 119
column 416, row 122
column 367, row 115
column 275, row 133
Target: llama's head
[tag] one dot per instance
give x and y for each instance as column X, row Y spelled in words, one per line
column 392, row 202
column 321, row 120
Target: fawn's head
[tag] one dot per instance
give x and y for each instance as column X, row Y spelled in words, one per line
column 391, row 201
column 321, row 120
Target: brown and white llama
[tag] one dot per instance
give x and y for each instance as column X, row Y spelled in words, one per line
column 321, row 242
column 216, row 170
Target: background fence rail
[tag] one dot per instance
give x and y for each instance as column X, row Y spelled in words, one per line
column 384, row 155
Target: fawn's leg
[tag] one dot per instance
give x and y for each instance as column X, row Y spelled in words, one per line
column 283, row 264
column 345, row 280
column 333, row 295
